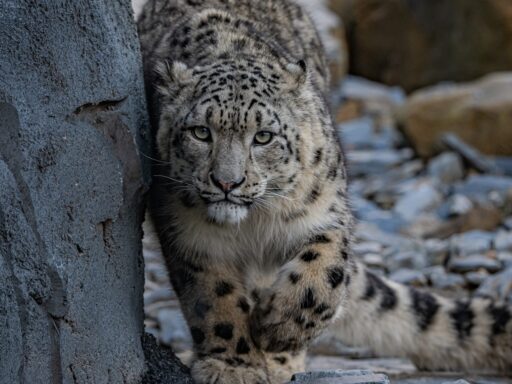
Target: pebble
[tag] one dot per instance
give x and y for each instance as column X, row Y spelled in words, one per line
column 362, row 133
column 373, row 260
column 498, row 286
column 505, row 258
column 473, row 263
column 447, row 167
column 366, row 247
column 409, row 277
column 503, row 241
column 476, row 278
column 472, row 242
column 437, row 250
column 365, row 162
column 408, row 259
column 439, row 278
column 370, row 232
column 369, row 212
column 456, row 205
column 416, row 201
column 479, row 186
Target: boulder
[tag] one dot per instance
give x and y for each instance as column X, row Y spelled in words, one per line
column 73, row 122
column 423, row 42
column 478, row 112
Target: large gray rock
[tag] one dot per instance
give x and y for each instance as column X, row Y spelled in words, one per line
column 72, row 113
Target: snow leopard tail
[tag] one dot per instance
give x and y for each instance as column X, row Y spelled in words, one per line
column 436, row 333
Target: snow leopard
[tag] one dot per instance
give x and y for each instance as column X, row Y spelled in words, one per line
column 250, row 203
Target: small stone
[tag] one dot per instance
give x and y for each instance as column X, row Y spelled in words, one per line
column 414, row 259
column 362, row 133
column 447, row 167
column 498, row 286
column 476, row 278
column 409, row 277
column 474, row 263
column 442, row 280
column 472, row 242
column 174, row 330
column 418, row 200
column 503, row 241
column 373, row 260
column 480, row 186
column 372, row 162
column 427, row 224
column 505, row 258
column 370, row 232
column 437, row 250
column 366, row 247
column 356, row 133
column 456, row 205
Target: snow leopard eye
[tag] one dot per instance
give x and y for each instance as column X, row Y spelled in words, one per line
column 201, row 133
column 263, row 137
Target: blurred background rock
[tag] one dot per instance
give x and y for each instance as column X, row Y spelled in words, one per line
column 423, row 105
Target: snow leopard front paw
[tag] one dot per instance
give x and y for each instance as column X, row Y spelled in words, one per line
column 288, row 320
column 216, row 371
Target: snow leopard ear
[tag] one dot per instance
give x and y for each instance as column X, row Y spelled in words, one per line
column 296, row 74
column 172, row 77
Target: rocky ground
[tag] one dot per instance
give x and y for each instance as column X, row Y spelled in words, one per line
column 444, row 224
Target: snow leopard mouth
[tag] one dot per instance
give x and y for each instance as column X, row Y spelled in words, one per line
column 228, row 199
column 227, row 211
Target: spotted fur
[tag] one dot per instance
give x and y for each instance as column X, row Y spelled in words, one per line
column 257, row 236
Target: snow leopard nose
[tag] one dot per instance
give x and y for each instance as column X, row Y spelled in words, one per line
column 226, row 186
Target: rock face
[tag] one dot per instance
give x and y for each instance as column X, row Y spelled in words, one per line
column 72, row 114
column 478, row 112
column 422, row 42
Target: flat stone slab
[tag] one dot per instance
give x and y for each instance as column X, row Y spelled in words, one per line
column 340, row 377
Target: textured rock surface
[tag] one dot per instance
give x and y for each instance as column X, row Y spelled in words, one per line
column 163, row 367
column 422, row 42
column 71, row 183
column 478, row 112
